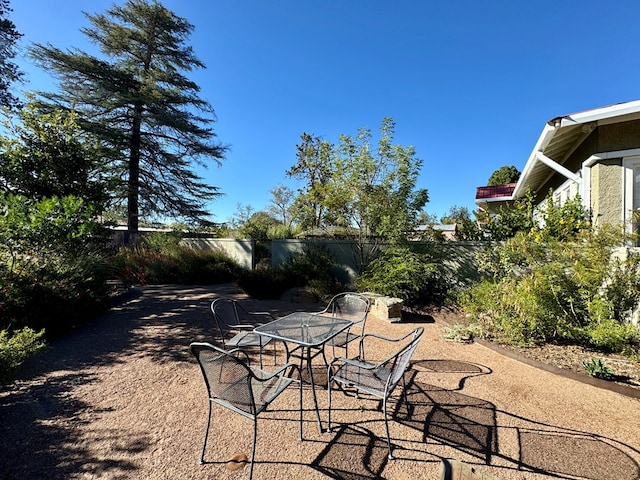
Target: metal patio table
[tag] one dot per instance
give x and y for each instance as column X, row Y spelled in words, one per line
column 308, row 331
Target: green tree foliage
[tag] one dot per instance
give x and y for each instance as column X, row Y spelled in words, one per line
column 47, row 155
column 52, row 270
column 137, row 100
column 510, row 219
column 281, row 203
column 9, row 72
column 503, row 176
column 258, row 226
column 399, row 271
column 315, row 165
column 374, row 189
column 368, row 191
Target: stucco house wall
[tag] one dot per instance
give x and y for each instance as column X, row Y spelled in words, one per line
column 605, row 138
column 606, row 192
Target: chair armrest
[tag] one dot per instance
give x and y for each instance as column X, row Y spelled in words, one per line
column 388, row 339
column 268, row 314
column 237, row 351
column 355, row 362
column 275, row 373
column 241, row 326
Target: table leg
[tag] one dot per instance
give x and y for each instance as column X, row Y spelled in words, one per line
column 313, row 389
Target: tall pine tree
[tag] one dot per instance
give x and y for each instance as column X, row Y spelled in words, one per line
column 9, row 71
column 147, row 113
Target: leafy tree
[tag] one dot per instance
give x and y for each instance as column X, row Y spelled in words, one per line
column 281, row 203
column 48, row 156
column 258, row 226
column 241, row 216
column 374, row 190
column 139, row 103
column 315, row 166
column 9, row 71
column 369, row 192
column 503, row 176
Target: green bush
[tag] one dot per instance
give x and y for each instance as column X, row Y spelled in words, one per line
column 16, row 347
column 311, row 268
column 52, row 263
column 160, row 258
column 55, row 296
column 541, row 289
column 613, row 336
column 403, row 273
column 266, row 283
column 595, row 367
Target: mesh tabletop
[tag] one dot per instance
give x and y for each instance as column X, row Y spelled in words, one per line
column 307, row 329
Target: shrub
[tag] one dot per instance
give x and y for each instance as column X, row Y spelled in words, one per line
column 597, row 368
column 160, row 258
column 55, row 296
column 310, row 268
column 265, row 283
column 403, row 273
column 541, row 289
column 613, row 336
column 15, row 348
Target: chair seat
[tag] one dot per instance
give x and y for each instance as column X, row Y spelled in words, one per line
column 247, row 339
column 343, row 338
column 369, row 380
column 236, row 396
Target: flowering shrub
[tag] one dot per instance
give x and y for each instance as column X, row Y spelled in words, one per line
column 540, row 289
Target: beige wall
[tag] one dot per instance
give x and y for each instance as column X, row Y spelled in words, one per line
column 606, row 192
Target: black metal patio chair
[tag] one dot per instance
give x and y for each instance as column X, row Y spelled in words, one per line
column 233, row 384
column 376, row 378
column 235, row 326
column 352, row 306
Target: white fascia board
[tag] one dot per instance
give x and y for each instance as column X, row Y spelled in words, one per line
column 601, row 113
column 545, row 137
column 494, row 199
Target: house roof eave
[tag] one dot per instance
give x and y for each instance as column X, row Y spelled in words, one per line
column 561, row 135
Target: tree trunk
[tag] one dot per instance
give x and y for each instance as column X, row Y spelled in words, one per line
column 134, row 176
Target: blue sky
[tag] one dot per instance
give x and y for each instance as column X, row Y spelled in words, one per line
column 469, row 83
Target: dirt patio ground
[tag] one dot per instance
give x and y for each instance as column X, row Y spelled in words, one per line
column 121, row 398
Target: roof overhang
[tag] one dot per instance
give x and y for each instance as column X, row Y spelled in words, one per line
column 561, row 136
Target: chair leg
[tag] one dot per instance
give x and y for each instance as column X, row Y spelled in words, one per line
column 300, row 392
column 329, row 395
column 253, row 448
column 404, row 392
column 206, row 435
column 386, row 425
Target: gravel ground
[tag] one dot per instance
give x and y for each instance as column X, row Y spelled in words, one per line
column 121, row 398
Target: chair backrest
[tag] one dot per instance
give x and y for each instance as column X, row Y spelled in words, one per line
column 227, row 377
column 225, row 312
column 349, row 305
column 399, row 361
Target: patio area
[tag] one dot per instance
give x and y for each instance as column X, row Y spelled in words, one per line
column 123, row 398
